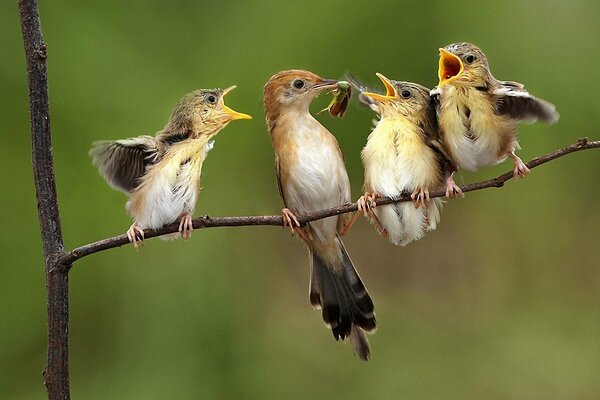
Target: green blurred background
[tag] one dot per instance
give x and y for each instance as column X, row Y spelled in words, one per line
column 501, row 302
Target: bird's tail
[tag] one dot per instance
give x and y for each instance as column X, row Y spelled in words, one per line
column 345, row 303
column 405, row 223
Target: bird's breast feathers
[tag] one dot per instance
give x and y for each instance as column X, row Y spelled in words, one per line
column 170, row 187
column 475, row 135
column 312, row 168
column 396, row 158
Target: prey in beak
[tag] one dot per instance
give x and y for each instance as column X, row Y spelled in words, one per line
column 341, row 92
column 450, row 67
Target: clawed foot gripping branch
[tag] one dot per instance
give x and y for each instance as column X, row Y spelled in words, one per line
column 276, row 220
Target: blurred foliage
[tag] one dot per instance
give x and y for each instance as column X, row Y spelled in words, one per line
column 501, row 302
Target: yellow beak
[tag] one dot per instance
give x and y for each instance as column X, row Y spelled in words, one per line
column 231, row 114
column 390, row 90
column 450, row 66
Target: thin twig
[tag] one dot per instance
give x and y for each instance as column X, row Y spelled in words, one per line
column 276, row 220
column 56, row 372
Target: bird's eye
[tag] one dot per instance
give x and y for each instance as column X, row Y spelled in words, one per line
column 298, row 83
column 211, row 98
column 470, row 58
column 405, row 93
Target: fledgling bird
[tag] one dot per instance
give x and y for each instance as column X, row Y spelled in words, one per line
column 404, row 153
column 478, row 114
column 161, row 174
column 312, row 176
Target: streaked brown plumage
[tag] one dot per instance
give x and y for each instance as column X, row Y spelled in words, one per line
column 312, row 176
column 478, row 114
column 161, row 174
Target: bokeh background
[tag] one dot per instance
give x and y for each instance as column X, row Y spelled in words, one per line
column 501, row 302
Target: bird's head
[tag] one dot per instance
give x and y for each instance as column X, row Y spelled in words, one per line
column 463, row 64
column 293, row 90
column 401, row 98
column 203, row 111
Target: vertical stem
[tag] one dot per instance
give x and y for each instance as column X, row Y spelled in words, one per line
column 56, row 372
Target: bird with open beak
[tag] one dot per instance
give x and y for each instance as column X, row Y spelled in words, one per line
column 404, row 153
column 478, row 114
column 312, row 176
column 161, row 174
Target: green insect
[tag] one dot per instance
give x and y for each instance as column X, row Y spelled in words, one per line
column 339, row 103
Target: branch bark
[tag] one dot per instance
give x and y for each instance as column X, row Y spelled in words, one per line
column 276, row 220
column 56, row 372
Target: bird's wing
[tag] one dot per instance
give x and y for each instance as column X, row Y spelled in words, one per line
column 435, row 98
column 279, row 185
column 513, row 100
column 124, row 162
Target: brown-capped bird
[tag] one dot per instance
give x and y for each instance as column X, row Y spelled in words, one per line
column 404, row 153
column 478, row 114
column 161, row 174
column 312, row 176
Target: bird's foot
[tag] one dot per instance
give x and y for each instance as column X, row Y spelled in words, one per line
column 289, row 219
column 367, row 202
column 452, row 189
column 364, row 203
column 520, row 169
column 135, row 234
column 420, row 196
column 185, row 226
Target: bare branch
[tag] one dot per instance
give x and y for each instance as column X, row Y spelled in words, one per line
column 276, row 220
column 56, row 373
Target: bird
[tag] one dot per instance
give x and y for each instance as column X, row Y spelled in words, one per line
column 161, row 174
column 312, row 176
column 404, row 153
column 478, row 114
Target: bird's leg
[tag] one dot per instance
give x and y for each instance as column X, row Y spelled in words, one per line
column 452, row 189
column 364, row 203
column 135, row 234
column 419, row 196
column 367, row 202
column 185, row 226
column 362, row 207
column 520, row 169
column 289, row 219
column 346, row 228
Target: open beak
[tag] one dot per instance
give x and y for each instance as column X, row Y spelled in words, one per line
column 390, row 90
column 450, row 67
column 325, row 84
column 231, row 114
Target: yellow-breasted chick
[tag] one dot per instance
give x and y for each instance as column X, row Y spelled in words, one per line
column 161, row 174
column 478, row 114
column 312, row 176
column 404, row 153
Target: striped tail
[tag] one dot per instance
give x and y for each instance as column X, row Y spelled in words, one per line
column 345, row 303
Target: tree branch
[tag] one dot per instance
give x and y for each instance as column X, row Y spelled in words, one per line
column 56, row 372
column 276, row 220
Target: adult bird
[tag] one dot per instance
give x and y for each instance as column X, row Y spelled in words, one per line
column 478, row 114
column 312, row 176
column 404, row 153
column 161, row 173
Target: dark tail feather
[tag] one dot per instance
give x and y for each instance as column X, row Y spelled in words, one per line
column 345, row 303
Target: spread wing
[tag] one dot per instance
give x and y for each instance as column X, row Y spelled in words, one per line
column 123, row 162
column 513, row 100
